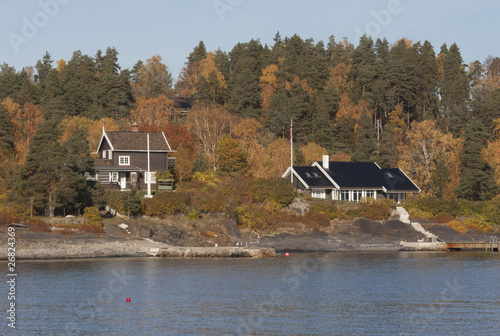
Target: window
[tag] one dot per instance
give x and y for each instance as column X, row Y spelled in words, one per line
column 150, row 177
column 318, row 193
column 344, row 195
column 104, row 154
column 110, row 154
column 124, row 160
column 114, row 177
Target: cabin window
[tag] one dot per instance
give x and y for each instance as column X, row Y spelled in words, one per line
column 150, row 177
column 110, row 154
column 104, row 154
column 124, row 160
column 114, row 177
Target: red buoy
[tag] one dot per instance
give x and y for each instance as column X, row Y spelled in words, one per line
column 128, row 299
column 287, row 254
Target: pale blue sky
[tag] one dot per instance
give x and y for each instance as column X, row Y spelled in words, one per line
column 172, row 28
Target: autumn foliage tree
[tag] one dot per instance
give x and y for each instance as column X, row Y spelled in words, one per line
column 209, row 123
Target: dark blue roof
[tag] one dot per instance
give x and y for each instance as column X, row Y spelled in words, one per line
column 313, row 176
column 357, row 175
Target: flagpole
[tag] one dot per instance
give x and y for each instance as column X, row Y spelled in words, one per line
column 149, row 171
column 291, row 151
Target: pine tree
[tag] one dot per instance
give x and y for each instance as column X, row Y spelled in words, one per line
column 477, row 183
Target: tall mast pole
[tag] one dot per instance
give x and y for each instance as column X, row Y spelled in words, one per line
column 149, row 172
column 291, row 151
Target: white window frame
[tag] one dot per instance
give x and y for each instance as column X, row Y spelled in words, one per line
column 318, row 193
column 126, row 160
column 150, row 177
column 110, row 154
column 114, row 176
column 104, row 154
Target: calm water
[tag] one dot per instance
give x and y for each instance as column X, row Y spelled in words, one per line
column 304, row 294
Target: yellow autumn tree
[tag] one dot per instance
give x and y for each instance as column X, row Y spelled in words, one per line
column 312, row 152
column 491, row 153
column 268, row 84
column 25, row 122
column 396, row 119
column 275, row 159
column 94, row 128
column 209, row 123
column 247, row 132
column 339, row 78
column 425, row 143
column 153, row 111
column 207, row 66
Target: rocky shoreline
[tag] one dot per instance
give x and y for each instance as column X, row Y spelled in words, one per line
column 219, row 238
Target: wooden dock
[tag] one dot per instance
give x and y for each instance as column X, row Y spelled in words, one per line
column 472, row 246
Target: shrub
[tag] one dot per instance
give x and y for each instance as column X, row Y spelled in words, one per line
column 194, row 214
column 167, row 203
column 477, row 224
column 442, row 217
column 92, row 216
column 457, row 225
column 208, row 201
column 326, row 208
column 376, row 212
column 277, row 190
column 91, row 228
column 38, row 225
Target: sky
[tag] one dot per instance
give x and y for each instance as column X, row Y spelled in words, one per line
column 172, row 28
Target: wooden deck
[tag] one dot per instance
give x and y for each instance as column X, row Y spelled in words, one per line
column 472, row 246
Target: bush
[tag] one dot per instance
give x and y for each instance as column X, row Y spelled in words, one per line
column 277, row 190
column 38, row 225
column 193, row 214
column 326, row 208
column 167, row 203
column 477, row 224
column 92, row 216
column 442, row 218
column 208, row 201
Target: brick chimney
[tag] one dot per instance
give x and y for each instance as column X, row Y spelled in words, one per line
column 135, row 127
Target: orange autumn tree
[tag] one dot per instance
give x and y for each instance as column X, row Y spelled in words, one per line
column 153, row 111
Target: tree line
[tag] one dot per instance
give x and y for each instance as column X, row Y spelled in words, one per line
column 403, row 104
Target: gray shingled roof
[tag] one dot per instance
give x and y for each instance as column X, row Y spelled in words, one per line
column 138, row 141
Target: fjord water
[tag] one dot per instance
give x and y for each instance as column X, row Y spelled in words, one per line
column 406, row 293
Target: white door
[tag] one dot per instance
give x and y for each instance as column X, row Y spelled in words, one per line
column 123, row 180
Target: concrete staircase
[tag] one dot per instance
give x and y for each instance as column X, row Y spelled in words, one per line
column 404, row 217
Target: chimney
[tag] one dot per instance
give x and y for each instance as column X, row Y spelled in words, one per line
column 326, row 162
column 135, row 127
